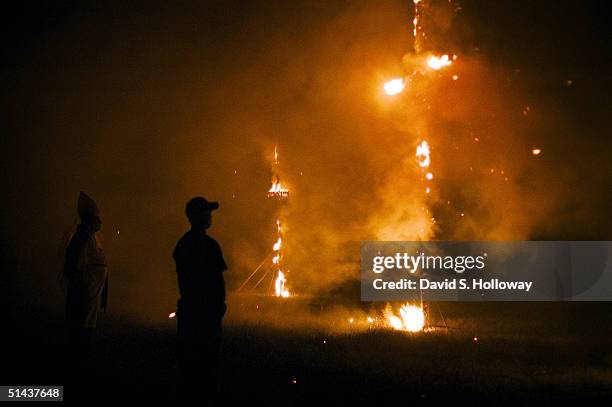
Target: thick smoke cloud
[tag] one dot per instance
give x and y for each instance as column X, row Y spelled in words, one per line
column 144, row 109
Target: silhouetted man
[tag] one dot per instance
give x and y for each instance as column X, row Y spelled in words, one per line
column 86, row 278
column 199, row 268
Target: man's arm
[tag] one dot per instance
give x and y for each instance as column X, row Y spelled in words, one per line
column 221, row 265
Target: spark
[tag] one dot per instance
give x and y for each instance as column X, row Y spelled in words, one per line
column 536, row 151
column 171, row 315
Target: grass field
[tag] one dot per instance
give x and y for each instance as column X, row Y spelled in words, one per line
column 279, row 353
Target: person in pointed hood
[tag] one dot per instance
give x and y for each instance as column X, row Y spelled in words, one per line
column 86, row 276
column 86, row 207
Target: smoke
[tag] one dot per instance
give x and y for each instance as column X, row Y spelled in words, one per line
column 481, row 121
column 145, row 110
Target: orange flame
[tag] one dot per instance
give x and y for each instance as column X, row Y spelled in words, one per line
column 277, row 189
column 281, row 280
column 437, row 63
column 277, row 245
column 394, row 86
column 422, row 154
column 415, row 29
column 279, row 285
column 411, row 318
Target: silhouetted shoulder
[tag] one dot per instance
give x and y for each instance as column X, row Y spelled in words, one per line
column 183, row 240
column 180, row 246
column 198, row 250
column 213, row 243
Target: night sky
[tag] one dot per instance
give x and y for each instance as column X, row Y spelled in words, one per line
column 144, row 106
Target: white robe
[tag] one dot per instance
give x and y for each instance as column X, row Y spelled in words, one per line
column 92, row 271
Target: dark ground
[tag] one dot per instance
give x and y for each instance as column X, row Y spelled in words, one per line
column 526, row 353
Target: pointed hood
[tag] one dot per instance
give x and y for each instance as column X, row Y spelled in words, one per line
column 87, row 207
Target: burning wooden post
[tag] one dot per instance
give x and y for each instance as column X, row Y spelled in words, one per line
column 281, row 192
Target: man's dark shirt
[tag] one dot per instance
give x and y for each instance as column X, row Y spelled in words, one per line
column 199, row 267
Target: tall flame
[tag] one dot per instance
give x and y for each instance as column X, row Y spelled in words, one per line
column 279, row 191
column 416, row 26
column 279, row 283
